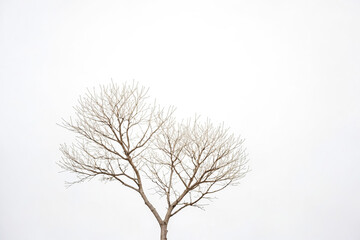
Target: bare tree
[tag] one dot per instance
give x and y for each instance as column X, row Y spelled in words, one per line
column 121, row 137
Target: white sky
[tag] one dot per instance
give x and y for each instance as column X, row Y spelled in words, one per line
column 283, row 74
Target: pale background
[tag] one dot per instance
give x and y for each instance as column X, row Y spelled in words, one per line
column 283, row 74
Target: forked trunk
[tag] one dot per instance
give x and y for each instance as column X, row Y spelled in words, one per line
column 163, row 231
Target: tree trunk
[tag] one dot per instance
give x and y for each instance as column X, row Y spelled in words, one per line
column 164, row 231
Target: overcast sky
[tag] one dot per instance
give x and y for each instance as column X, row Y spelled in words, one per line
column 284, row 75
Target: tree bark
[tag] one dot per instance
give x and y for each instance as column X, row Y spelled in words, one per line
column 164, row 231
